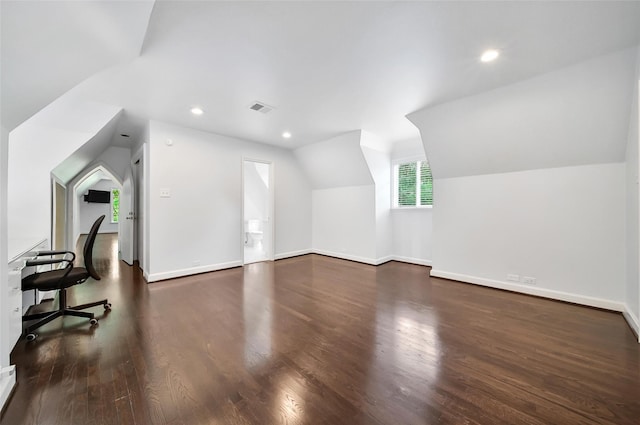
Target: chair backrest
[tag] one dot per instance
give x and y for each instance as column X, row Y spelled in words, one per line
column 87, row 251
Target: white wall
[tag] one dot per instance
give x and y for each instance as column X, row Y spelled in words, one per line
column 563, row 226
column 380, row 167
column 89, row 212
column 5, row 349
column 412, row 227
column 413, row 235
column 344, row 222
column 199, row 228
column 632, row 288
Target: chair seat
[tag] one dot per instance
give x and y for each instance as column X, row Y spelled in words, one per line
column 51, row 280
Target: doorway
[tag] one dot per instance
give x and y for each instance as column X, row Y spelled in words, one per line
column 257, row 211
column 81, row 214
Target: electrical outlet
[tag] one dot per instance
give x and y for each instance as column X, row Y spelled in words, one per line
column 529, row 280
column 513, row 278
column 165, row 193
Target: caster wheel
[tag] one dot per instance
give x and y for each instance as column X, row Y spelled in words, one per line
column 107, row 306
column 31, row 337
column 93, row 322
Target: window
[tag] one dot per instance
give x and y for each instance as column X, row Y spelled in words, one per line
column 115, row 205
column 413, row 184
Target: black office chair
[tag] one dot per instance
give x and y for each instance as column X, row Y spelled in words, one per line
column 61, row 279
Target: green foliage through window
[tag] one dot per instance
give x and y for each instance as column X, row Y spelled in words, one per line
column 407, row 184
column 414, row 184
column 115, row 205
column 426, row 184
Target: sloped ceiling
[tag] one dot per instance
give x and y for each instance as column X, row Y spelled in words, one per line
column 337, row 162
column 92, row 179
column 335, row 67
column 573, row 116
column 327, row 67
column 48, row 47
column 83, row 156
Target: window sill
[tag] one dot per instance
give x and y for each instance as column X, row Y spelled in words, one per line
column 424, row 207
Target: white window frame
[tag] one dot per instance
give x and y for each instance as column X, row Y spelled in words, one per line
column 395, row 166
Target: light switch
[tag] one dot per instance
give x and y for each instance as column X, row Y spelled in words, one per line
column 165, row 193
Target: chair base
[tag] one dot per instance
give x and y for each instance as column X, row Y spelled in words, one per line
column 63, row 310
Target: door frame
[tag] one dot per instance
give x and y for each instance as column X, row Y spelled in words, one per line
column 272, row 221
column 58, row 215
column 142, row 195
column 72, row 199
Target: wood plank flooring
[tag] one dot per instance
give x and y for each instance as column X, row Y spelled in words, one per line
column 316, row 340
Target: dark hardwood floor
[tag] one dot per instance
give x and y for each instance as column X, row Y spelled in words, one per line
column 316, row 340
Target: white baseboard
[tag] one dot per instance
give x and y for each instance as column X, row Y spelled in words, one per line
column 383, row 260
column 154, row 277
column 343, row 256
column 411, row 260
column 290, row 254
column 372, row 261
column 531, row 290
column 632, row 320
column 7, row 382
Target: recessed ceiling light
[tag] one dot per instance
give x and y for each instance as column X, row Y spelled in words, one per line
column 197, row 111
column 489, row 55
column 286, row 135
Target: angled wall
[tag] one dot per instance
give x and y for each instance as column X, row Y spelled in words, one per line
column 529, row 181
column 43, row 145
column 336, row 162
column 380, row 168
column 343, row 198
column 73, row 41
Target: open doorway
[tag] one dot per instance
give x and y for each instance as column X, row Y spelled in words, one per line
column 100, row 198
column 95, row 192
column 257, row 214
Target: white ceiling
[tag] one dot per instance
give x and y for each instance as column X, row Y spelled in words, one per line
column 48, row 47
column 327, row 67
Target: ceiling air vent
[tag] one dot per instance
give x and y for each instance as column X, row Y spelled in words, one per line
column 261, row 107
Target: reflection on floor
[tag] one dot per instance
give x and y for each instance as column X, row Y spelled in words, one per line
column 316, row 340
column 255, row 253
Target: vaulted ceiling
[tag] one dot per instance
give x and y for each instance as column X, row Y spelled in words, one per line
column 326, row 67
column 48, row 47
